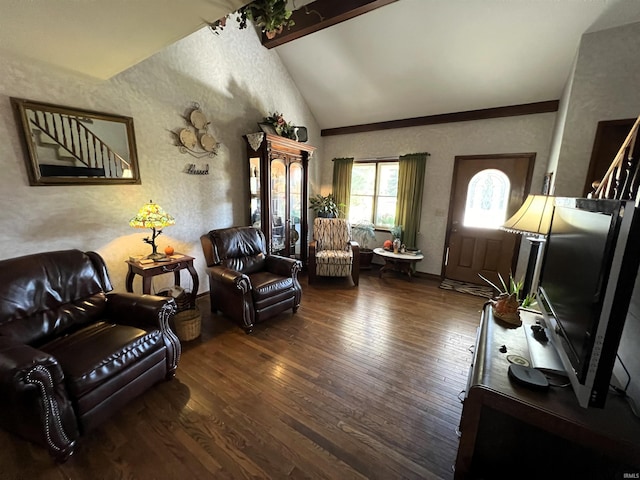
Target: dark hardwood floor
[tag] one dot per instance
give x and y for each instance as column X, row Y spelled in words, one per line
column 359, row 383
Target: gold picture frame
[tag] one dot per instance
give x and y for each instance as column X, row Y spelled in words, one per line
column 72, row 146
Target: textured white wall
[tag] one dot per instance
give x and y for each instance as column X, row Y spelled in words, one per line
column 235, row 80
column 604, row 86
column 561, row 121
column 524, row 134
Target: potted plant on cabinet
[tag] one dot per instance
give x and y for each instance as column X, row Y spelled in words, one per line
column 325, row 206
column 363, row 232
column 280, row 125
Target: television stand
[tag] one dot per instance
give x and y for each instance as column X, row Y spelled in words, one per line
column 511, row 431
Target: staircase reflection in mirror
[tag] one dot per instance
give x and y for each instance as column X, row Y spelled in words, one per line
column 69, row 146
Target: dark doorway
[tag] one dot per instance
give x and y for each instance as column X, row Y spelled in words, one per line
column 610, row 135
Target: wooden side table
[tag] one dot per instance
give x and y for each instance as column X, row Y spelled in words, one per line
column 400, row 262
column 147, row 271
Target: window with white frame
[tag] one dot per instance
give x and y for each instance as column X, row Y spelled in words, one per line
column 374, row 190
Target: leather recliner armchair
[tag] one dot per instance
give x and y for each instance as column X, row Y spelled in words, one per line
column 71, row 353
column 245, row 282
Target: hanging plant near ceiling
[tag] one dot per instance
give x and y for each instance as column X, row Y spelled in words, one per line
column 271, row 16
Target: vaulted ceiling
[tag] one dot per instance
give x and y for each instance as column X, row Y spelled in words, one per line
column 415, row 58
column 101, row 38
column 398, row 59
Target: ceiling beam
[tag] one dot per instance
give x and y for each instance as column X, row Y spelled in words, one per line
column 484, row 114
column 321, row 14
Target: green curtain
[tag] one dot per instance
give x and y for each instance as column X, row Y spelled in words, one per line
column 341, row 187
column 411, row 173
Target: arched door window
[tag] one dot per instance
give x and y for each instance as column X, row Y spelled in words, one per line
column 487, row 199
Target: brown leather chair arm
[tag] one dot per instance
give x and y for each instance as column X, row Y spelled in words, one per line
column 287, row 267
column 145, row 312
column 33, row 399
column 142, row 311
column 228, row 278
column 230, row 292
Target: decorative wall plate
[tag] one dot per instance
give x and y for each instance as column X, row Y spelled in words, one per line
column 208, row 142
column 196, row 139
column 188, row 138
column 198, row 120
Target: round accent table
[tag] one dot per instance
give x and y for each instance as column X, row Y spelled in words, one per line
column 399, row 262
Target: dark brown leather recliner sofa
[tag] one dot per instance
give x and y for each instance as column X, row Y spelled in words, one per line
column 72, row 354
column 245, row 282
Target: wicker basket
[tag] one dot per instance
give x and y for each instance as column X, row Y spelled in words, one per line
column 187, row 324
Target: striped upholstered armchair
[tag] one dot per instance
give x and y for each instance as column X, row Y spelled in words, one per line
column 332, row 253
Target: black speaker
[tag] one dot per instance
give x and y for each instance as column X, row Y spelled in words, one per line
column 301, row 134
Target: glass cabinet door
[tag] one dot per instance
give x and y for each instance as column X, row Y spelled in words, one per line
column 255, row 208
column 278, row 206
column 295, row 208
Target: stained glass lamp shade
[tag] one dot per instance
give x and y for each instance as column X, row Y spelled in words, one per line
column 152, row 216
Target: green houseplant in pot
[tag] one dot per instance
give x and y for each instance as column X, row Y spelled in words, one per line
column 363, row 232
column 506, row 304
column 325, row 206
column 270, row 16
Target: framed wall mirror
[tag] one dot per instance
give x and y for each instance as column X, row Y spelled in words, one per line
column 70, row 146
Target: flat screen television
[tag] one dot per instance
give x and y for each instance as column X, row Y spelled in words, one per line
column 586, row 282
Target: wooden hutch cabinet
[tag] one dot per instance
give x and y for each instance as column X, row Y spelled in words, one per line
column 278, row 192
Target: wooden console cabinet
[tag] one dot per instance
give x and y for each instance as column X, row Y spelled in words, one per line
column 511, row 431
column 278, row 192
